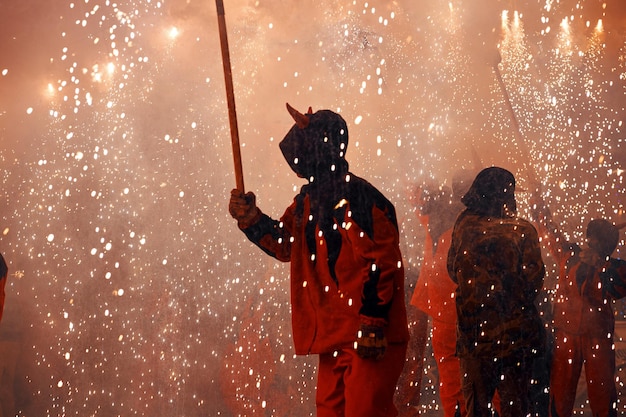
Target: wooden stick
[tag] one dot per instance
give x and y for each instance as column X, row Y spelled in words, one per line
column 230, row 95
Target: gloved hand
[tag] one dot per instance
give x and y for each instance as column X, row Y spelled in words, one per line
column 371, row 342
column 243, row 208
column 591, row 257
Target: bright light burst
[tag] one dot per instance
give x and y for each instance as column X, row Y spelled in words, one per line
column 173, row 33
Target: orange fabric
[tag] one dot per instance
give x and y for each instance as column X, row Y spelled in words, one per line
column 325, row 316
column 597, row 355
column 325, row 313
column 449, row 367
column 434, row 294
column 434, row 290
column 350, row 386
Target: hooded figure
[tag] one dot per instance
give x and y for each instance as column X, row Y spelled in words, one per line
column 315, row 147
column 603, row 237
column 492, row 193
column 589, row 283
column 495, row 259
column 340, row 235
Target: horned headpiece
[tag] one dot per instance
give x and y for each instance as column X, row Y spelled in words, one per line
column 316, row 144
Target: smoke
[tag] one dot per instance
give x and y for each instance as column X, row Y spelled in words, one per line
column 131, row 291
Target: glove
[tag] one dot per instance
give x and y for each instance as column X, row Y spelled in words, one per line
column 243, row 208
column 591, row 257
column 371, row 342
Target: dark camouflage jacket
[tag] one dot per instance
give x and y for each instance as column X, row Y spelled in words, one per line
column 497, row 265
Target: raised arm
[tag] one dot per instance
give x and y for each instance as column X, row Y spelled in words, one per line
column 549, row 234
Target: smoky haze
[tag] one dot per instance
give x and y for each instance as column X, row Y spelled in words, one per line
column 131, row 290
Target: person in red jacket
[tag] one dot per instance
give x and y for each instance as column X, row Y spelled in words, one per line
column 341, row 236
column 583, row 318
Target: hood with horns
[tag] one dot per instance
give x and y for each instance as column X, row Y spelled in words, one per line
column 315, row 146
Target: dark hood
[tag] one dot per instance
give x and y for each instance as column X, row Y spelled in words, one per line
column 315, row 147
column 492, row 193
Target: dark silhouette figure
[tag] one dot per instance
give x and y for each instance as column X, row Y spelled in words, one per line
column 495, row 259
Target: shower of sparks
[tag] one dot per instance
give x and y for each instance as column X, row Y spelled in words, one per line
column 131, row 291
column 570, row 133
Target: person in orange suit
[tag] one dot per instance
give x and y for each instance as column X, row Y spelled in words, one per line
column 341, row 237
column 434, row 291
column 589, row 282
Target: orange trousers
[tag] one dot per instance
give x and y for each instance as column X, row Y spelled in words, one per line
column 598, row 356
column 449, row 367
column 348, row 386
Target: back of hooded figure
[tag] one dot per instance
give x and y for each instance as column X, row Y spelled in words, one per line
column 496, row 262
column 495, row 259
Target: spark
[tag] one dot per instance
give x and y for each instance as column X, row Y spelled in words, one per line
column 143, row 298
column 173, row 33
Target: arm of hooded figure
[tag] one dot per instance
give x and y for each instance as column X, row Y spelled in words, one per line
column 549, row 234
column 272, row 236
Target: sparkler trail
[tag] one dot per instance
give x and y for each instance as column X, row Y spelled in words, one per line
column 132, row 291
column 576, row 132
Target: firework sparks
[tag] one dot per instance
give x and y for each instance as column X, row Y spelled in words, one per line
column 134, row 294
